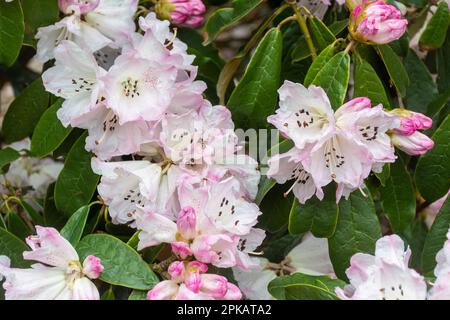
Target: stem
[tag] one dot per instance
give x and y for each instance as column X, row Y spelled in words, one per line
column 287, row 20
column 304, row 28
column 349, row 46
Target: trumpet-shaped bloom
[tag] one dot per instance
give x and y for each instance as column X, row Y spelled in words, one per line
column 59, row 275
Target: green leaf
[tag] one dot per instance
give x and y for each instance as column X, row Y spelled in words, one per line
column 414, row 237
column 11, row 31
column 318, row 64
column 25, row 110
column 436, row 30
column 13, row 248
column 304, row 287
column 35, row 216
column 338, row 26
column 226, row 17
column 319, row 217
column 395, row 68
column 422, row 89
column 333, row 78
column 397, row 196
column 368, row 84
column 322, row 36
column 276, row 209
column 76, row 183
column 436, row 106
column 123, row 266
column 443, row 65
column 7, row 156
column 52, row 217
column 436, row 238
column 49, row 133
column 138, row 295
column 357, row 230
column 17, row 226
column 108, row 294
column 433, row 169
column 73, row 230
column 255, row 97
column 384, row 175
column 38, row 14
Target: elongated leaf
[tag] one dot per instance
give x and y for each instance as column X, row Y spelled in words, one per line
column 38, row 14
column 11, row 31
column 322, row 36
column 276, row 209
column 76, row 183
column 35, row 216
column 384, row 175
column 333, row 78
column 397, row 196
column 25, row 110
column 123, row 266
column 226, row 17
column 52, row 217
column 443, row 65
column 255, row 97
column 436, row 238
column 368, row 84
column 319, row 217
column 433, row 169
column 7, row 156
column 318, row 64
column 357, row 230
column 17, row 226
column 73, row 230
column 304, row 287
column 49, row 133
column 436, row 30
column 13, row 248
column 395, row 68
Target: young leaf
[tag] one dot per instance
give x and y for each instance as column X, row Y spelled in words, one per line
column 368, row 84
column 49, row 133
column 436, row 238
column 25, row 110
column 357, row 230
column 304, row 287
column 76, row 183
column 255, row 97
column 73, row 230
column 397, row 196
column 333, row 78
column 433, row 169
column 226, row 17
column 395, row 68
column 436, row 30
column 123, row 266
column 319, row 217
column 7, row 156
column 11, row 31
column 318, row 64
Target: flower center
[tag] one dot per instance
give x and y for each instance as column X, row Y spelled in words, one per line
column 130, row 88
column 74, row 272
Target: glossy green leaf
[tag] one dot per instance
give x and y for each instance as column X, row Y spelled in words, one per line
column 73, row 230
column 304, row 287
column 398, row 198
column 436, row 238
column 7, row 156
column 17, row 226
column 395, row 68
column 123, row 266
column 436, row 30
column 443, row 65
column 25, row 110
column 138, row 295
column 255, row 97
column 318, row 64
column 226, row 17
column 334, row 77
column 322, row 36
column 11, row 31
column 76, row 183
column 12, row 247
column 368, row 84
column 49, row 133
column 433, row 169
column 319, row 217
column 384, row 175
column 357, row 230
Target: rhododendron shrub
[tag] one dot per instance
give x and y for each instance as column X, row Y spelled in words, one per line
column 224, row 150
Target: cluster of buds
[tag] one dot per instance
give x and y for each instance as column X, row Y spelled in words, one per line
column 375, row 22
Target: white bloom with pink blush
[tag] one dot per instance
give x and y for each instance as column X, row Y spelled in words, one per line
column 126, row 187
column 384, row 276
column 59, row 275
column 189, row 281
column 441, row 286
column 75, row 77
column 77, row 6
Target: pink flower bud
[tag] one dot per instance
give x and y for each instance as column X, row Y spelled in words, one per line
column 411, row 122
column 377, row 23
column 357, row 104
column 181, row 249
column 186, row 223
column 214, row 285
column 414, row 144
column 77, row 6
column 187, row 13
column 176, row 270
column 92, row 267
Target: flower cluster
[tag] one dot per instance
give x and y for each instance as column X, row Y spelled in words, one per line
column 387, row 276
column 190, row 183
column 342, row 146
